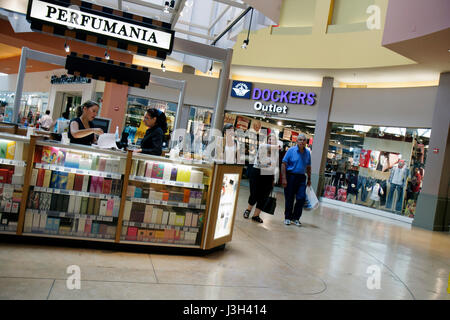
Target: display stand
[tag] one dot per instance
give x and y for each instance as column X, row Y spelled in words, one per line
column 84, row 193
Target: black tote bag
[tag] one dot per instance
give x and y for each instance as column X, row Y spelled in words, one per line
column 270, row 204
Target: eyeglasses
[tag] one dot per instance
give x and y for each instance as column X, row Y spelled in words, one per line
column 301, row 139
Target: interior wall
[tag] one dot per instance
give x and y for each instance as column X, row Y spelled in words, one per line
column 398, row 107
column 350, row 11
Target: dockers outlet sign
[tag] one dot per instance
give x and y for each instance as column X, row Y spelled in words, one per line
column 102, row 22
column 273, row 100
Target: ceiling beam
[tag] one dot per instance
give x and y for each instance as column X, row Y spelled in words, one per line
column 233, row 3
column 147, row 4
column 203, row 36
column 218, row 18
column 179, row 8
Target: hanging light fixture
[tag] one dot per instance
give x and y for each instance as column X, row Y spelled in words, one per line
column 66, row 47
column 166, row 7
column 163, row 67
column 107, row 57
column 211, row 69
column 245, row 43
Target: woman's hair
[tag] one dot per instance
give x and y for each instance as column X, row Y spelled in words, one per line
column 88, row 104
column 161, row 120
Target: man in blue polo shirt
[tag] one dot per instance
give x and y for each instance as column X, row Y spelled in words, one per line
column 294, row 169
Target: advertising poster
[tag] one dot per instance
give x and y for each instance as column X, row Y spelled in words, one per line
column 294, row 136
column 356, row 155
column 287, row 134
column 228, row 195
column 229, row 118
column 242, row 123
column 374, row 158
column 256, row 125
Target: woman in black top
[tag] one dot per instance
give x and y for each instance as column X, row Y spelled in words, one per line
column 152, row 142
column 81, row 129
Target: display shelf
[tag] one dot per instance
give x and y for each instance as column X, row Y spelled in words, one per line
column 52, row 234
column 14, row 137
column 79, row 147
column 168, row 182
column 76, row 193
column 160, row 243
column 179, row 161
column 160, row 226
column 59, row 214
column 16, row 163
column 167, row 203
column 16, row 186
column 94, row 173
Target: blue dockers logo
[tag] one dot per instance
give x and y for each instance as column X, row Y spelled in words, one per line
column 241, row 89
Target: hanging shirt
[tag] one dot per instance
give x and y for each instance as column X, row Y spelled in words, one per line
column 398, row 175
column 374, row 194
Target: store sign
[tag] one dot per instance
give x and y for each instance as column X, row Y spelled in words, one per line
column 272, row 100
column 99, row 21
column 64, row 79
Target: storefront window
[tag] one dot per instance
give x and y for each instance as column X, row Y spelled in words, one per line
column 32, row 106
column 134, row 118
column 378, row 167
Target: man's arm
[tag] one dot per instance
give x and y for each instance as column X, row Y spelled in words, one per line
column 308, row 173
column 283, row 175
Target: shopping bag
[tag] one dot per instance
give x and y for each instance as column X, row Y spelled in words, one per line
column 311, row 201
column 270, row 205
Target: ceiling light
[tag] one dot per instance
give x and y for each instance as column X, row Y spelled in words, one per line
column 3, row 74
column 66, row 47
column 210, row 70
column 166, row 7
column 163, row 67
column 280, row 123
column 244, row 44
column 107, row 56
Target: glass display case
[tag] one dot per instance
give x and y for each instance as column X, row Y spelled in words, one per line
column 76, row 192
column 166, row 201
column 13, row 148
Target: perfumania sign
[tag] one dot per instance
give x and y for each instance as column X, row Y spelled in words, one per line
column 270, row 98
column 73, row 18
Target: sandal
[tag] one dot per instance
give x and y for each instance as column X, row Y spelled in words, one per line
column 246, row 214
column 257, row 219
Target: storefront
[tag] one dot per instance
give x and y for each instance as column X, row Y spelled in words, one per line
column 376, row 167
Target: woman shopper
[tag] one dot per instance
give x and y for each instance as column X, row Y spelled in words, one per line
column 153, row 140
column 81, row 129
column 262, row 177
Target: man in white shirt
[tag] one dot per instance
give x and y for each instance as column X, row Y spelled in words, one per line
column 46, row 121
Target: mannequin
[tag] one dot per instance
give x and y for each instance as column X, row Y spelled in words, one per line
column 352, row 191
column 375, row 193
column 397, row 180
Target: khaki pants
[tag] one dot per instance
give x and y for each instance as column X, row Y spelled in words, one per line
column 351, row 198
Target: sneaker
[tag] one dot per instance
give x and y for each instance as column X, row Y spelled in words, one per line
column 257, row 219
column 287, row 222
column 297, row 223
column 246, row 214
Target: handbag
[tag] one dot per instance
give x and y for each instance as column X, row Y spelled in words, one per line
column 270, row 204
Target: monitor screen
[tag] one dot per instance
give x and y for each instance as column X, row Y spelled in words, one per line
column 102, row 123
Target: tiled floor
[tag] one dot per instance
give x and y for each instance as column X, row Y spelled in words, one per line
column 327, row 258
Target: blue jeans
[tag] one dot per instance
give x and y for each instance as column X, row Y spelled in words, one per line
column 294, row 191
column 399, row 188
column 362, row 186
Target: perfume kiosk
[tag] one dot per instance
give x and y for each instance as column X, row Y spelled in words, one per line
column 76, row 192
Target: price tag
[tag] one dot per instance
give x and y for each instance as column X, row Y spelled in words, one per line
column 77, row 216
column 62, row 214
column 183, row 205
column 125, row 223
column 177, row 228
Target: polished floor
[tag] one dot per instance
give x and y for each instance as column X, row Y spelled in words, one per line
column 336, row 254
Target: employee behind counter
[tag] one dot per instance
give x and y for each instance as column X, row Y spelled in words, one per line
column 153, row 140
column 81, row 129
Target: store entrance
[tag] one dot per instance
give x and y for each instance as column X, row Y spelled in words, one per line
column 70, row 103
column 287, row 131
